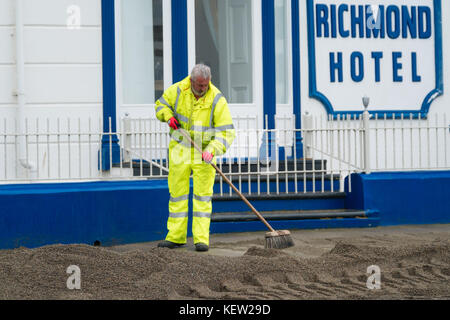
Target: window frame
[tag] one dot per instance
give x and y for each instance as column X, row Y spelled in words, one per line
column 238, row 109
column 147, row 109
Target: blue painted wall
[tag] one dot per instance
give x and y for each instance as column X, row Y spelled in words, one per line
column 111, row 212
column 33, row 215
column 402, row 197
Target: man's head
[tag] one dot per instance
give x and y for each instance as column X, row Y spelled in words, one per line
column 200, row 77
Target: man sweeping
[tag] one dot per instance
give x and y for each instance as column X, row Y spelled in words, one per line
column 197, row 106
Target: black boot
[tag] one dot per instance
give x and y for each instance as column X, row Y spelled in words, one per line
column 201, row 247
column 169, row 244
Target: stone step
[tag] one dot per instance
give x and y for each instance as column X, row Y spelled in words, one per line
column 144, row 167
column 287, row 215
column 281, row 201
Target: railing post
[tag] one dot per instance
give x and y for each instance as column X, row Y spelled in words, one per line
column 126, row 138
column 366, row 127
column 307, row 127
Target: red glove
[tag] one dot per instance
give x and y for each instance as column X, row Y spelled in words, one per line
column 173, row 123
column 207, row 157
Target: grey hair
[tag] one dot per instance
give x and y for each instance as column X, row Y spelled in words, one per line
column 201, row 70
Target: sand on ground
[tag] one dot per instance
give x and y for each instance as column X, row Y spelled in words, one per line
column 400, row 262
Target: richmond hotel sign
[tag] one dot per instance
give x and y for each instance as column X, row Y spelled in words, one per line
column 389, row 50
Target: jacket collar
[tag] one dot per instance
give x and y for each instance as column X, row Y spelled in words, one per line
column 185, row 84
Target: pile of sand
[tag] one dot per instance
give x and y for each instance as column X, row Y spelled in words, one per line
column 408, row 271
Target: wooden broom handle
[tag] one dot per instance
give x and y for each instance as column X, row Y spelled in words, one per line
column 188, row 137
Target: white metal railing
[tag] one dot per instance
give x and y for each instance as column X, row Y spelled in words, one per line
column 144, row 145
column 340, row 143
column 406, row 144
column 61, row 150
column 316, row 158
column 254, row 162
column 400, row 144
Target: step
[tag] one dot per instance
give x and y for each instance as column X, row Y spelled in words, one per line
column 309, row 164
column 145, row 167
column 274, row 202
column 281, row 176
column 281, row 196
column 244, row 166
column 273, row 184
column 287, row 215
column 293, row 219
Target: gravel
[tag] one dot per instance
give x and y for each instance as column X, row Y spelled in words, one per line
column 417, row 270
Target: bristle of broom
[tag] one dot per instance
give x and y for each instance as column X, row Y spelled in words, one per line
column 280, row 239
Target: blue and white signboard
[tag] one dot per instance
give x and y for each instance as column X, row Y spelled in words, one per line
column 389, row 50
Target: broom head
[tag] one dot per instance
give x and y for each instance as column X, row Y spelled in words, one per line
column 279, row 239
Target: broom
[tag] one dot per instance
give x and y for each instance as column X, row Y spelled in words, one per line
column 276, row 239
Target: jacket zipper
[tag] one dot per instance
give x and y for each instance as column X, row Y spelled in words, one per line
column 190, row 117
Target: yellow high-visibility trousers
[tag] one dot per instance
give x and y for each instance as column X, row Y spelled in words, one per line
column 182, row 161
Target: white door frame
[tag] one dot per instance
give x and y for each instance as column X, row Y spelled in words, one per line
column 286, row 109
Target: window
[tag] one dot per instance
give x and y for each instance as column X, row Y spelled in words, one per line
column 223, row 33
column 142, row 51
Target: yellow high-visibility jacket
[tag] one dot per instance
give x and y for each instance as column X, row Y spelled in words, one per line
column 207, row 118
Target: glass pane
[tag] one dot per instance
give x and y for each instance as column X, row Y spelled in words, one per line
column 223, row 33
column 281, row 54
column 142, row 51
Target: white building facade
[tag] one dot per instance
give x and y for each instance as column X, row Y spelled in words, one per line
column 71, row 70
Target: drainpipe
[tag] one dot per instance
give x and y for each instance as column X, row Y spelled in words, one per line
column 20, row 90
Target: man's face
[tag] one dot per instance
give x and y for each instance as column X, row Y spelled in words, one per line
column 199, row 86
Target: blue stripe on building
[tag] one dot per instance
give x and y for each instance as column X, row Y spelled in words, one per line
column 296, row 84
column 109, row 142
column 179, row 40
column 295, row 18
column 268, row 47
